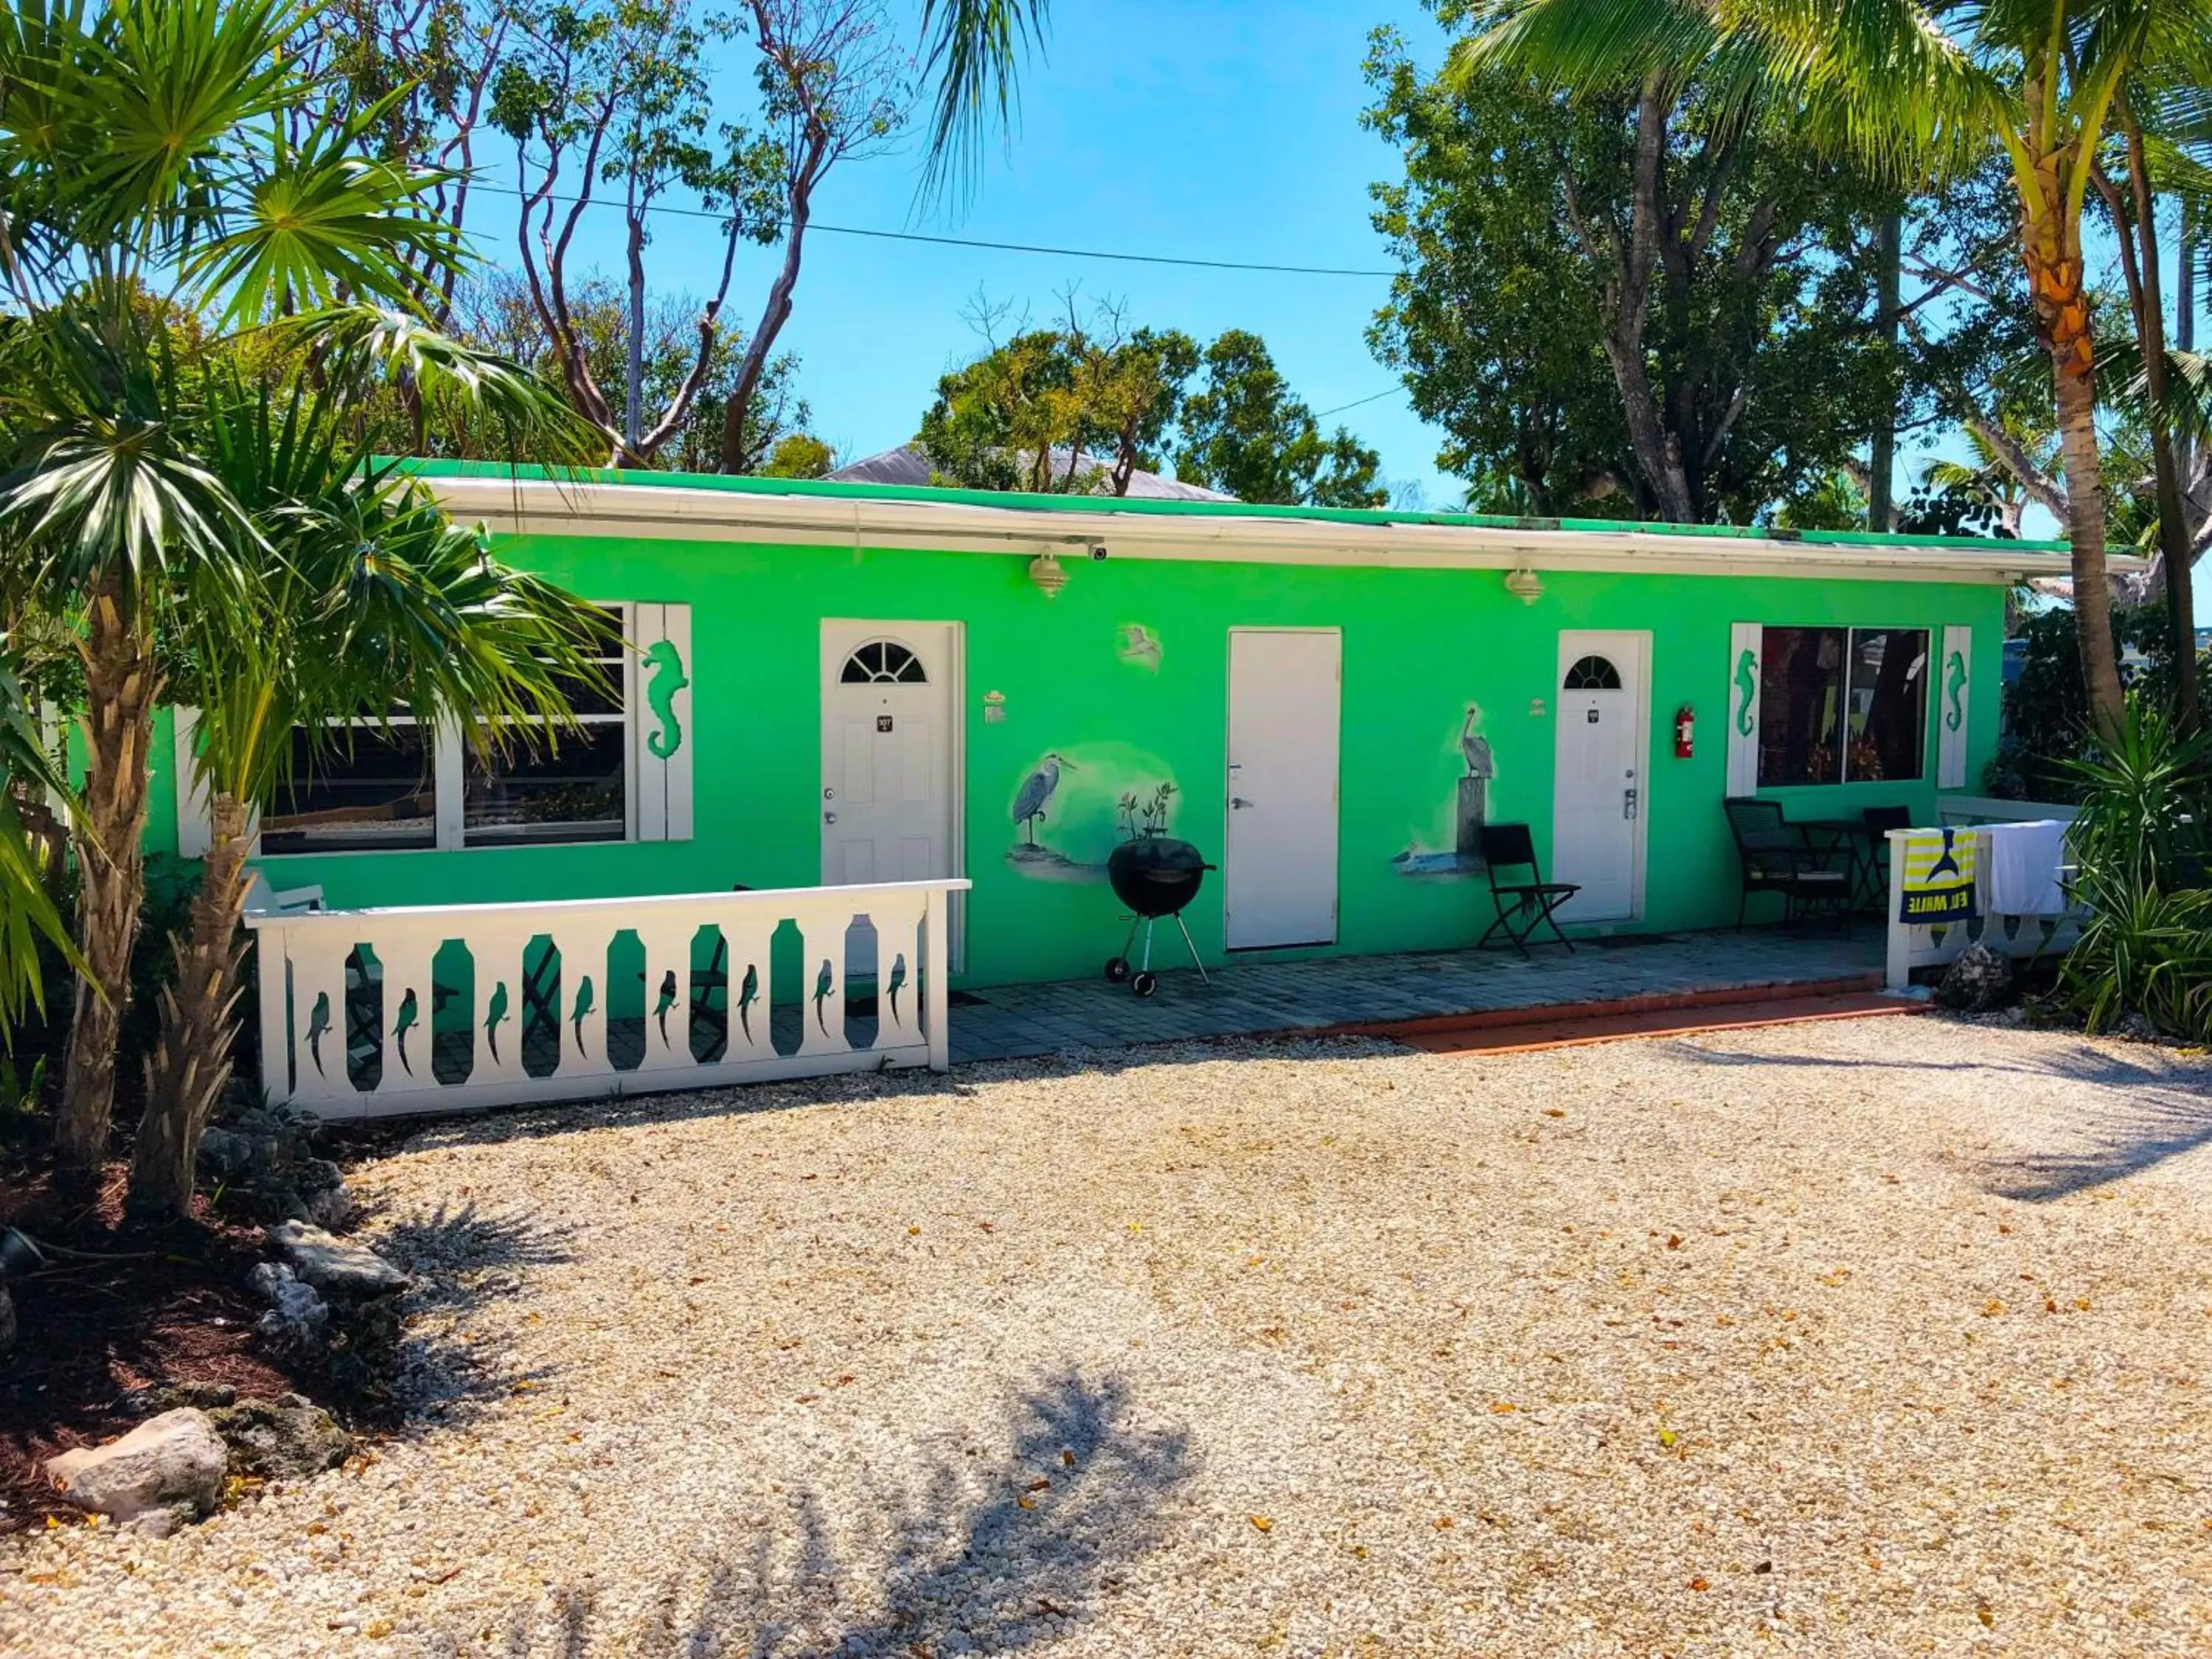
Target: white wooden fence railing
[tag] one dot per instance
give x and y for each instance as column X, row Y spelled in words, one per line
column 1914, row 944
column 437, row 1008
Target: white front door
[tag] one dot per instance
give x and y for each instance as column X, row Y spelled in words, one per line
column 1598, row 791
column 1280, row 862
column 887, row 743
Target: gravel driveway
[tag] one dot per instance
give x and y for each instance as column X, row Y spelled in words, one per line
column 1877, row 1337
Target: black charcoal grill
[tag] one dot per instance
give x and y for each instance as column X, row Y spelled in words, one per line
column 1156, row 876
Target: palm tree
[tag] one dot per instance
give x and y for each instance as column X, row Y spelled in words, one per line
column 371, row 599
column 1919, row 89
column 154, row 195
column 1990, row 475
column 27, row 916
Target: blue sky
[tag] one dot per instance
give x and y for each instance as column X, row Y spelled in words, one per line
column 1221, row 130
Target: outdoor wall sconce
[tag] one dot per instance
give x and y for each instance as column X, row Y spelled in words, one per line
column 1524, row 584
column 1045, row 572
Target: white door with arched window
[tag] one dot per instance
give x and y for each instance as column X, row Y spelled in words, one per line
column 889, row 693
column 1598, row 790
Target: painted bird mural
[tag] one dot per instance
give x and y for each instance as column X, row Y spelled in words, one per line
column 1475, row 746
column 494, row 1016
column 411, row 1015
column 667, row 1000
column 897, row 984
column 823, row 981
column 1139, row 647
column 746, row 997
column 1036, row 789
column 319, row 1025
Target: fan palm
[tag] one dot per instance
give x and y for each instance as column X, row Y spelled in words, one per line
column 371, row 598
column 1921, row 88
column 153, row 194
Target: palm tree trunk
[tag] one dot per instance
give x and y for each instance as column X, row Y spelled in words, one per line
column 1881, row 456
column 189, row 1067
column 2056, row 278
column 120, row 689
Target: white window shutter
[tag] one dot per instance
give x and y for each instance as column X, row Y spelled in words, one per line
column 1954, row 680
column 1742, row 706
column 661, row 717
column 195, row 815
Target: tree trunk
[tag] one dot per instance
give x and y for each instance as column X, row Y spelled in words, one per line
column 2173, row 537
column 1881, row 457
column 120, row 689
column 189, row 1067
column 2052, row 249
column 634, row 366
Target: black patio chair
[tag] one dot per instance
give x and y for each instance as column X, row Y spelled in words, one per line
column 1522, row 906
column 1774, row 858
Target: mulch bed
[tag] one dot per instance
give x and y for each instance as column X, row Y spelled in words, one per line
column 166, row 1304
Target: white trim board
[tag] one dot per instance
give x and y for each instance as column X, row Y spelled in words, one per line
column 530, row 505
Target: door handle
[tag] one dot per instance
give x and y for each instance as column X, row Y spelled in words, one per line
column 1237, row 803
column 829, row 817
column 1628, row 803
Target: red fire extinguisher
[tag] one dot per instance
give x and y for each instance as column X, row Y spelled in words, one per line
column 1686, row 732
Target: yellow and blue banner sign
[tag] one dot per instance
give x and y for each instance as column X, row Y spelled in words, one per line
column 1939, row 877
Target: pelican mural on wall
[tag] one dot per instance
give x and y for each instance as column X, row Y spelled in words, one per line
column 1140, row 646
column 1475, row 746
column 1037, row 789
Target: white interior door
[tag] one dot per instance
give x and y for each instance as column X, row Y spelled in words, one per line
column 887, row 752
column 1598, row 788
column 1279, row 865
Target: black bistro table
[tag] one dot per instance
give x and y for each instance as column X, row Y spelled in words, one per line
column 1861, row 844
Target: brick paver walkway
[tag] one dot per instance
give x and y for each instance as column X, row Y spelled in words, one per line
column 1013, row 1021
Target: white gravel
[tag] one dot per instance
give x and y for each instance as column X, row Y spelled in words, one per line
column 1875, row 1337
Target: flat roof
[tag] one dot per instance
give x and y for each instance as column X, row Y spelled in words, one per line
column 715, row 507
column 1017, row 501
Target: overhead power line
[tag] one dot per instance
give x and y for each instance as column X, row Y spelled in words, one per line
column 1372, row 397
column 1006, row 247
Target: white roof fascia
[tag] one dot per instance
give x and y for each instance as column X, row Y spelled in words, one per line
column 548, row 506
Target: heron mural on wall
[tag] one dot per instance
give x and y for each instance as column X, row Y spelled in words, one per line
column 1037, row 789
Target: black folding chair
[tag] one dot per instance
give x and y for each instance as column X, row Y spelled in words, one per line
column 1522, row 906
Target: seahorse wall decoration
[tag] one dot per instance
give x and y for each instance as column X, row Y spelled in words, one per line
column 668, row 679
column 1954, row 688
column 1747, row 682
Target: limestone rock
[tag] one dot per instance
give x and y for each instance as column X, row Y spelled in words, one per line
column 296, row 1313
column 287, row 1438
column 339, row 1269
column 169, row 1468
column 1979, row 980
column 158, row 1397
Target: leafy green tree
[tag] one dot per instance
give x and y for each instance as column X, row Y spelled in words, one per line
column 1244, row 432
column 1920, row 88
column 1617, row 298
column 1076, row 408
column 799, row 455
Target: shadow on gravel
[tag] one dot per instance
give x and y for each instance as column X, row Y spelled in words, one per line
column 1070, row 1500
column 2156, row 1104
column 461, row 1259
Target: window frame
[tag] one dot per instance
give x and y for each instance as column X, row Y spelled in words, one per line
column 449, row 757
column 1852, row 633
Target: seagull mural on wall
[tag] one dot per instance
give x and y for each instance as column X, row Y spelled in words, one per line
column 1140, row 646
column 1037, row 789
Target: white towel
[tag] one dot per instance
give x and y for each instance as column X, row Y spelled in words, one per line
column 2023, row 868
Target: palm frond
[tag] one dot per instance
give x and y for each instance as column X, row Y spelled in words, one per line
column 976, row 49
